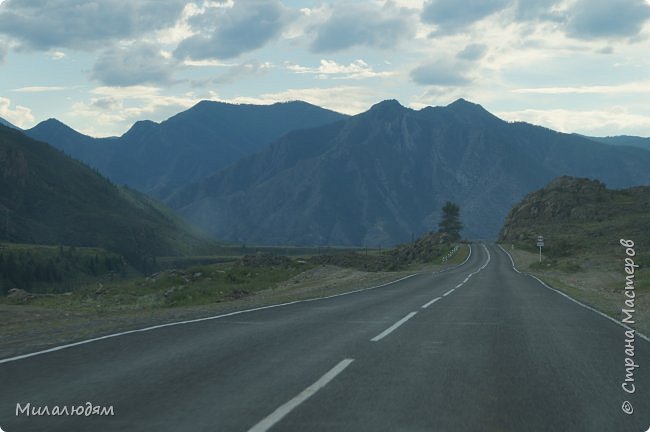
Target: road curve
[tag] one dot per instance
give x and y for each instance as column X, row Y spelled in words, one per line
column 476, row 348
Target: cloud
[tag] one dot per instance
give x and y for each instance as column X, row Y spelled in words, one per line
column 20, row 116
column 82, row 24
column 363, row 24
column 236, row 72
column 227, row 32
column 440, row 73
column 358, row 69
column 537, row 10
column 3, row 52
column 39, row 89
column 452, row 17
column 143, row 63
column 589, row 19
column 56, row 55
column 343, row 99
column 113, row 109
column 634, row 88
column 593, row 122
column 472, row 52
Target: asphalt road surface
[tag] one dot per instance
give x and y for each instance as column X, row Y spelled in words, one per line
column 477, row 348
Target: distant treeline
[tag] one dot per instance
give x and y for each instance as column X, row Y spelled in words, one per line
column 51, row 269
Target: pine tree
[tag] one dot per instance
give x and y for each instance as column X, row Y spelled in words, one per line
column 450, row 223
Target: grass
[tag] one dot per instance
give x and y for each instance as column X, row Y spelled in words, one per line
column 103, row 305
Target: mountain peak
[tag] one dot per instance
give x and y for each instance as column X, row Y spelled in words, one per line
column 469, row 111
column 464, row 104
column 51, row 126
column 387, row 104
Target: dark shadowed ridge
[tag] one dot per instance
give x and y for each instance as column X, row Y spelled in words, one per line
column 624, row 140
column 157, row 158
column 4, row 122
column 383, row 175
column 49, row 198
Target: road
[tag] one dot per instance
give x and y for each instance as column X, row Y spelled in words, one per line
column 477, row 348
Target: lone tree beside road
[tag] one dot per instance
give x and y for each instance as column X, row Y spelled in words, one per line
column 450, row 223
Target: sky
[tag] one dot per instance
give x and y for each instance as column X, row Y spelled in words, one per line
column 99, row 66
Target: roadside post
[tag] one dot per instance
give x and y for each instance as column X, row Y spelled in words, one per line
column 540, row 244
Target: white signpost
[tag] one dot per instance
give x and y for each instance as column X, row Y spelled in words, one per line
column 540, row 244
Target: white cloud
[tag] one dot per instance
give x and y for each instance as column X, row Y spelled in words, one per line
column 638, row 87
column 358, row 69
column 19, row 115
column 592, row 122
column 39, row 89
column 113, row 109
column 56, row 55
column 343, row 99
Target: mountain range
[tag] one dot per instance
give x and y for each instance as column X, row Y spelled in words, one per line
column 294, row 173
column 157, row 158
column 382, row 176
column 626, row 140
column 49, row 198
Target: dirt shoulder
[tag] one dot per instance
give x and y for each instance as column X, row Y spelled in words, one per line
column 595, row 281
column 28, row 328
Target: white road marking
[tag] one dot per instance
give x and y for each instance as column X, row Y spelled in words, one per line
column 449, row 292
column 460, row 285
column 390, row 329
column 277, row 415
column 641, row 335
column 424, row 306
column 155, row 327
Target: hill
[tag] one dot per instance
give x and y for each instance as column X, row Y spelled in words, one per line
column 577, row 215
column 625, row 140
column 382, row 176
column 48, row 198
column 157, row 158
column 582, row 223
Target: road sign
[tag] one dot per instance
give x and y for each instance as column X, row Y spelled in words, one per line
column 540, row 244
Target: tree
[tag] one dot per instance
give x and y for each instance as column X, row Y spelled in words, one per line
column 450, row 223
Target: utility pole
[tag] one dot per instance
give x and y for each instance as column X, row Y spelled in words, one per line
column 540, row 244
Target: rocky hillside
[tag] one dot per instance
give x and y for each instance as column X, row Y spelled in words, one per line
column 579, row 214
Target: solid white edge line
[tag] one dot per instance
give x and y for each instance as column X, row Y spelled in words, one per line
column 390, row 329
column 268, row 422
column 175, row 323
column 460, row 285
column 426, row 305
column 449, row 292
column 625, row 326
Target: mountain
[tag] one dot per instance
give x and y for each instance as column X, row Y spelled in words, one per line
column 4, row 122
column 578, row 214
column 157, row 158
column 47, row 197
column 381, row 176
column 625, row 140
